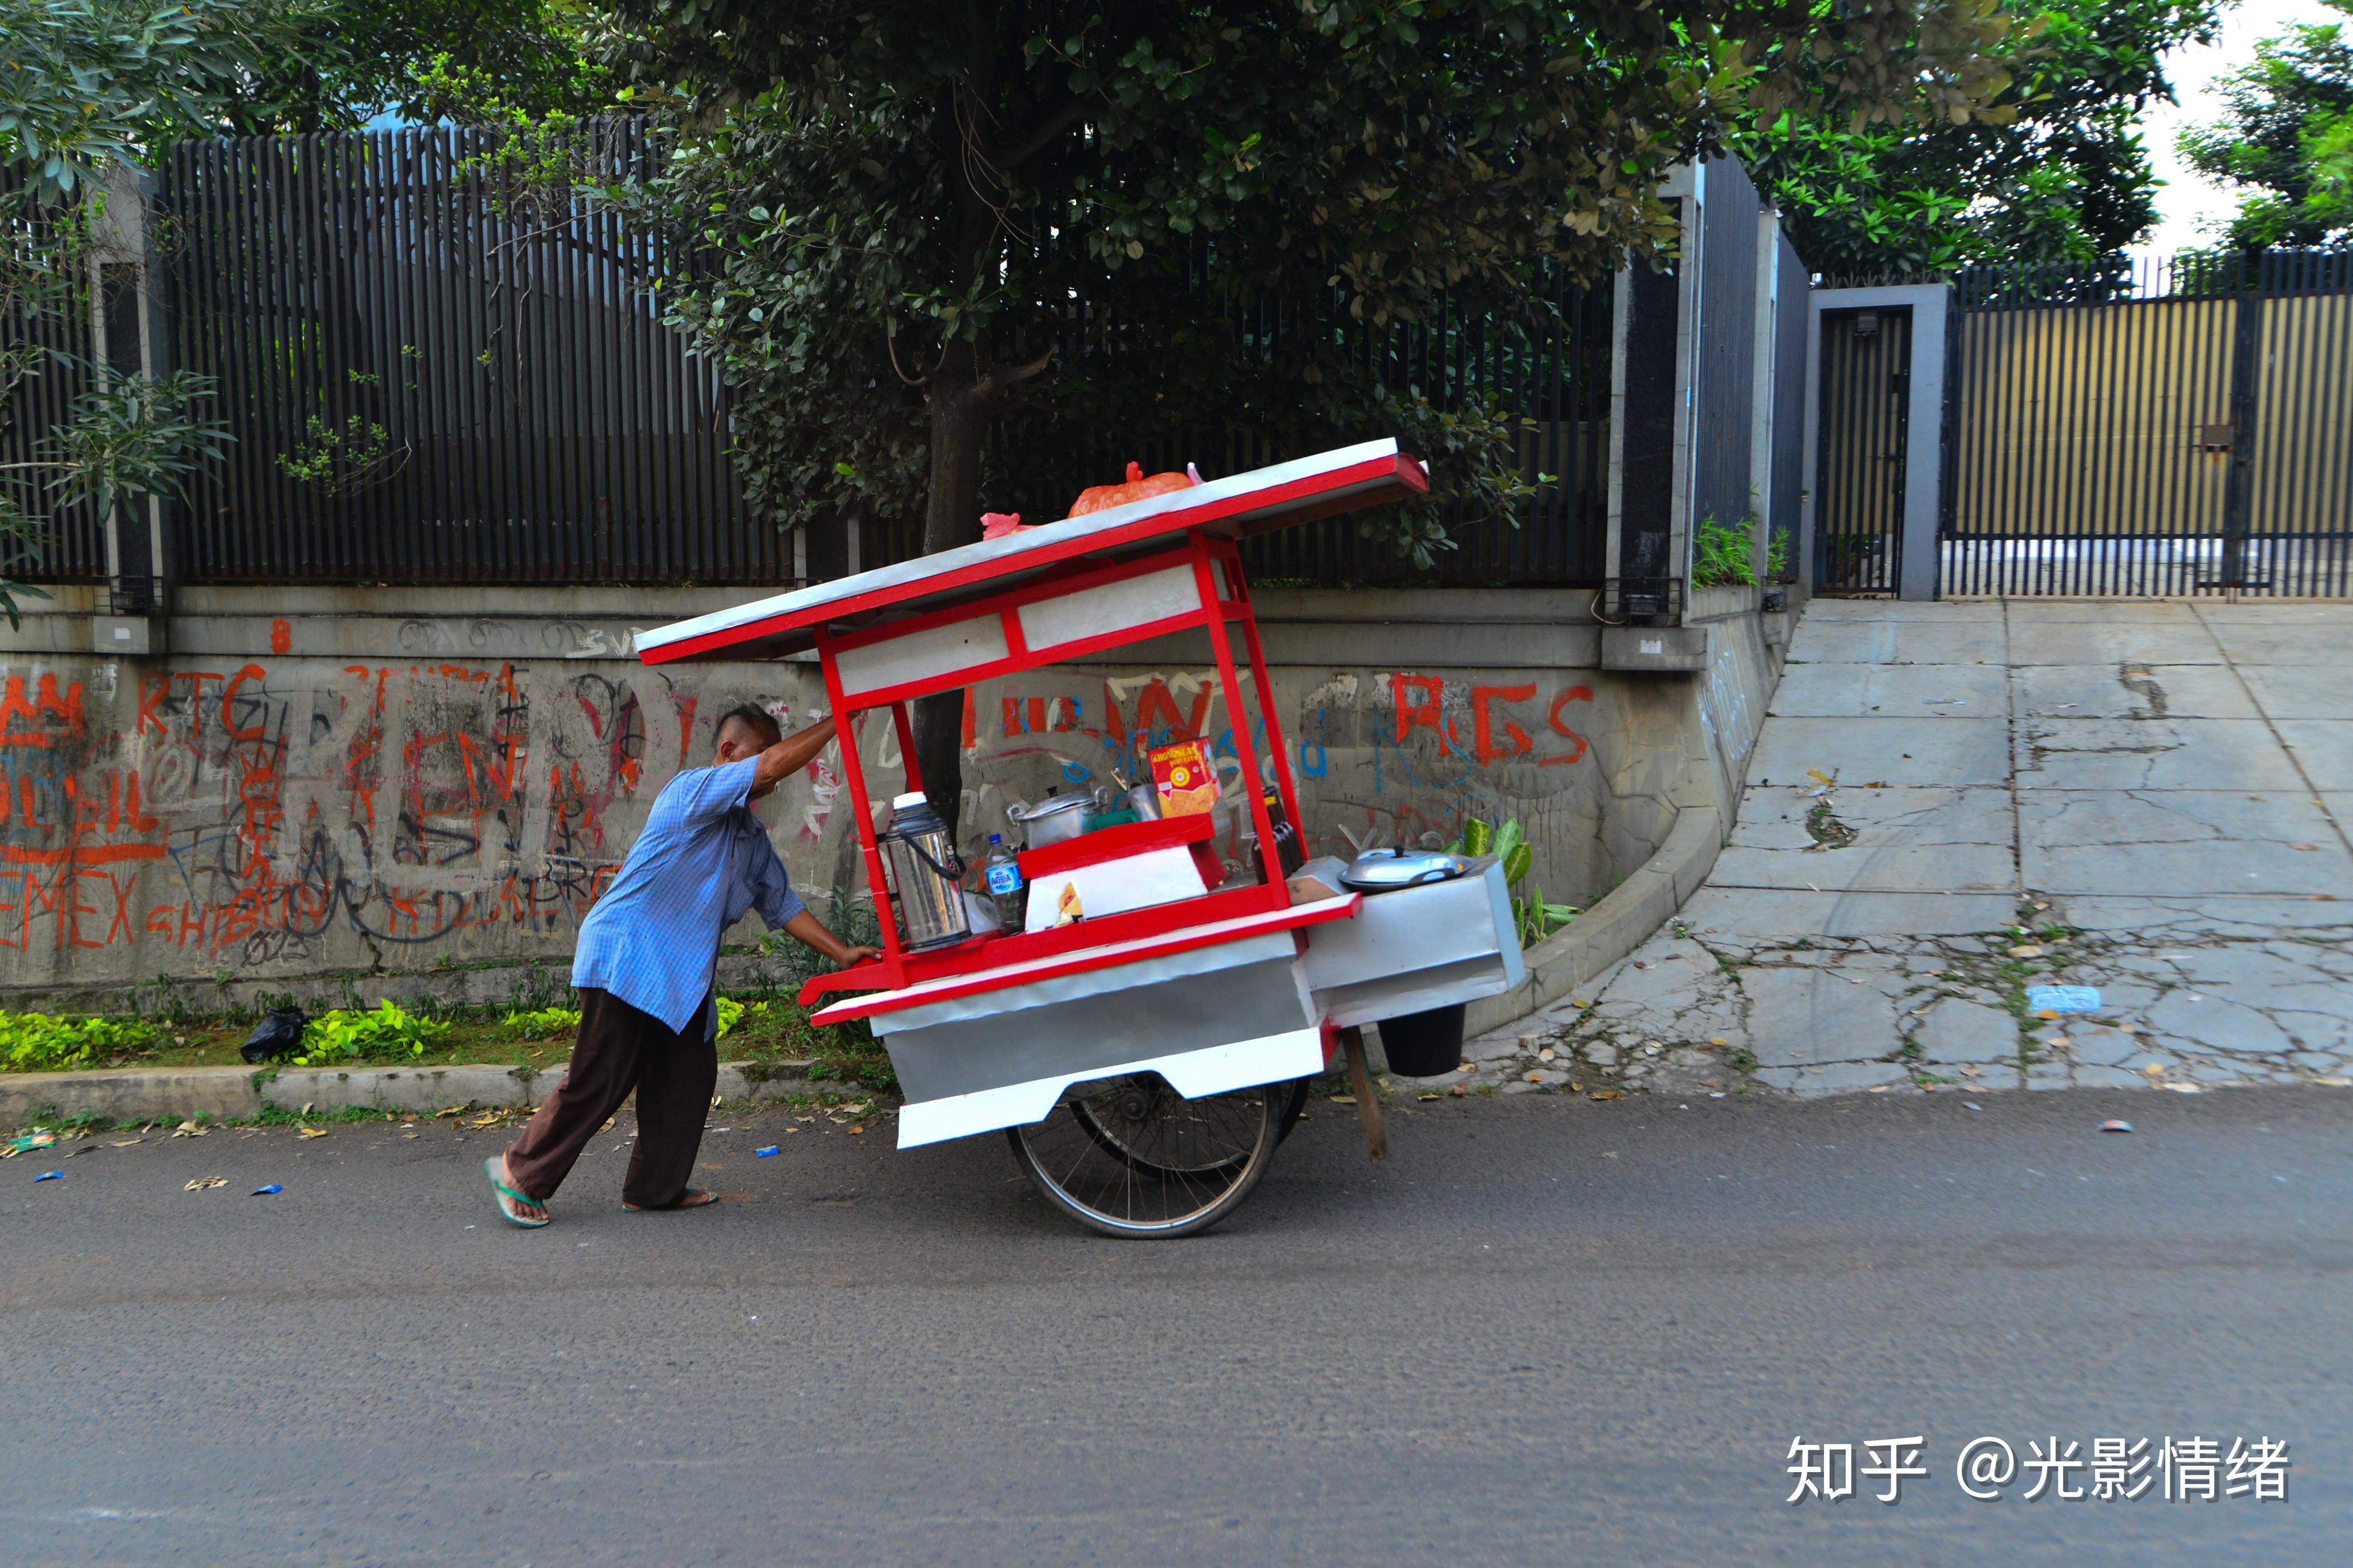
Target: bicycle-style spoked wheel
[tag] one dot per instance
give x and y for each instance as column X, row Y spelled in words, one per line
column 1131, row 1157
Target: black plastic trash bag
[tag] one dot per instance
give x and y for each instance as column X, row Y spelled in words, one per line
column 280, row 1035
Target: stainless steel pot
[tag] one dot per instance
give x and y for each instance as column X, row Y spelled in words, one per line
column 1056, row 819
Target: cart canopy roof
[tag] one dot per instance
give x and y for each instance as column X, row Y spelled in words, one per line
column 1258, row 501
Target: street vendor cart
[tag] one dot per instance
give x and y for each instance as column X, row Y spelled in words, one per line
column 1146, row 1042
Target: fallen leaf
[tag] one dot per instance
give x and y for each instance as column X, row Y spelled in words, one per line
column 1430, row 1097
column 203, row 1182
column 314, row 1133
column 1457, row 1091
column 2048, row 1013
column 2154, row 1069
column 1971, row 1072
column 2304, row 846
column 1536, row 1077
column 1546, row 1054
column 1607, row 1094
column 306, row 1109
column 1717, row 1040
column 2026, row 950
column 855, row 1130
column 1817, row 773
column 125, row 1142
column 1344, row 1100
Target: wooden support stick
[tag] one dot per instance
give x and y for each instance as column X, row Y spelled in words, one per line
column 1360, row 1079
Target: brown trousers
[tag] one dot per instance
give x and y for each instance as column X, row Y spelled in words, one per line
column 620, row 1049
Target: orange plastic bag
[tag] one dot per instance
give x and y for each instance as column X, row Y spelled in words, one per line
column 1102, row 498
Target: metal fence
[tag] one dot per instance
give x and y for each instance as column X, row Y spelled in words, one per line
column 52, row 375
column 434, row 372
column 2153, row 429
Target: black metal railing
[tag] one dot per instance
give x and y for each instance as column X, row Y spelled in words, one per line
column 437, row 371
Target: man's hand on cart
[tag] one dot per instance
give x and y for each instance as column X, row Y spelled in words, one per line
column 808, row 929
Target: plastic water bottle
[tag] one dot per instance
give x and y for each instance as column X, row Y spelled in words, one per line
column 1004, row 875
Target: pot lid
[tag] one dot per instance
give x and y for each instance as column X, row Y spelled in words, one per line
column 1385, row 871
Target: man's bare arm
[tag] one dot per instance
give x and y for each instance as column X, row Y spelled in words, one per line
column 807, row 927
column 789, row 757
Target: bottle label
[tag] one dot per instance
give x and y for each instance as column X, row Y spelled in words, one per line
column 1004, row 879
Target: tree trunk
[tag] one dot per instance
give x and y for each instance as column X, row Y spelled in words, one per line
column 960, row 414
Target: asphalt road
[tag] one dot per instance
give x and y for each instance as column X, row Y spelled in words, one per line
column 1542, row 1332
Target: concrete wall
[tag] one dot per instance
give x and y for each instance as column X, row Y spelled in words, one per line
column 356, row 792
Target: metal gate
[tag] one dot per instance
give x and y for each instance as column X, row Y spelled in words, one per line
column 2182, row 428
column 1859, row 506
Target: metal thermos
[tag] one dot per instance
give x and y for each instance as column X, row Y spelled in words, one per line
column 926, row 875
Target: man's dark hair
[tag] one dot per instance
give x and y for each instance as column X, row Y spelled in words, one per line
column 758, row 718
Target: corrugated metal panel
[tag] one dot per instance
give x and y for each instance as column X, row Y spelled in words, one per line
column 2173, row 427
column 434, row 376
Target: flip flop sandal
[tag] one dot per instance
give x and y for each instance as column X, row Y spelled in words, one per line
column 692, row 1198
column 508, row 1198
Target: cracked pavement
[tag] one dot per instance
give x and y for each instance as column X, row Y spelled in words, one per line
column 1954, row 803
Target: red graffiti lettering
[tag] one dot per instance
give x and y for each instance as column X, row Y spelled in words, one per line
column 1574, row 694
column 1482, row 722
column 41, row 720
column 1418, row 705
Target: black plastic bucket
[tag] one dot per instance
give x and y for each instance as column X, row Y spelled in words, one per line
column 1424, row 1045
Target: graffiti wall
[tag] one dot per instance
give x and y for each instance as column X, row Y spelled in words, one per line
column 288, row 817
column 442, row 808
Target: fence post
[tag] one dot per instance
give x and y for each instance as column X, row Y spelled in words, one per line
column 132, row 339
column 2237, row 483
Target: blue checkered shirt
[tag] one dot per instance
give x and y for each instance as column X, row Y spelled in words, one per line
column 702, row 861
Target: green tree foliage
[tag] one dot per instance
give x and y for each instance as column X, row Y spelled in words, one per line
column 87, row 86
column 2052, row 170
column 333, row 65
column 2286, row 138
column 1027, row 219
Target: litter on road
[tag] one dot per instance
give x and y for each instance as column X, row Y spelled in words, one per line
column 2062, row 998
column 265, row 1191
column 764, row 1153
column 49, row 1176
column 204, row 1184
column 2115, row 1126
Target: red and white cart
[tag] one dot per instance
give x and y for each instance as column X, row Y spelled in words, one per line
column 1144, row 1064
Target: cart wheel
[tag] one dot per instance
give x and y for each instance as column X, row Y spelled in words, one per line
column 1131, row 1157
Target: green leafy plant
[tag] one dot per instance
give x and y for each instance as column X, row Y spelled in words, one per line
column 41, row 1042
column 1532, row 917
column 1777, row 556
column 730, row 1013
column 391, row 1031
column 1721, row 553
column 339, row 459
column 541, row 1022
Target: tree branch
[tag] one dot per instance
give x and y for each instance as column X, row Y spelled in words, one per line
column 1002, row 379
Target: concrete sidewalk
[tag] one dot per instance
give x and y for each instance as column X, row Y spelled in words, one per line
column 1953, row 803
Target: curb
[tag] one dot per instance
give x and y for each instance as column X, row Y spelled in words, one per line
column 1621, row 922
column 237, row 1094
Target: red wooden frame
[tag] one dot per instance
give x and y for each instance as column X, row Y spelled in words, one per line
column 1216, row 565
